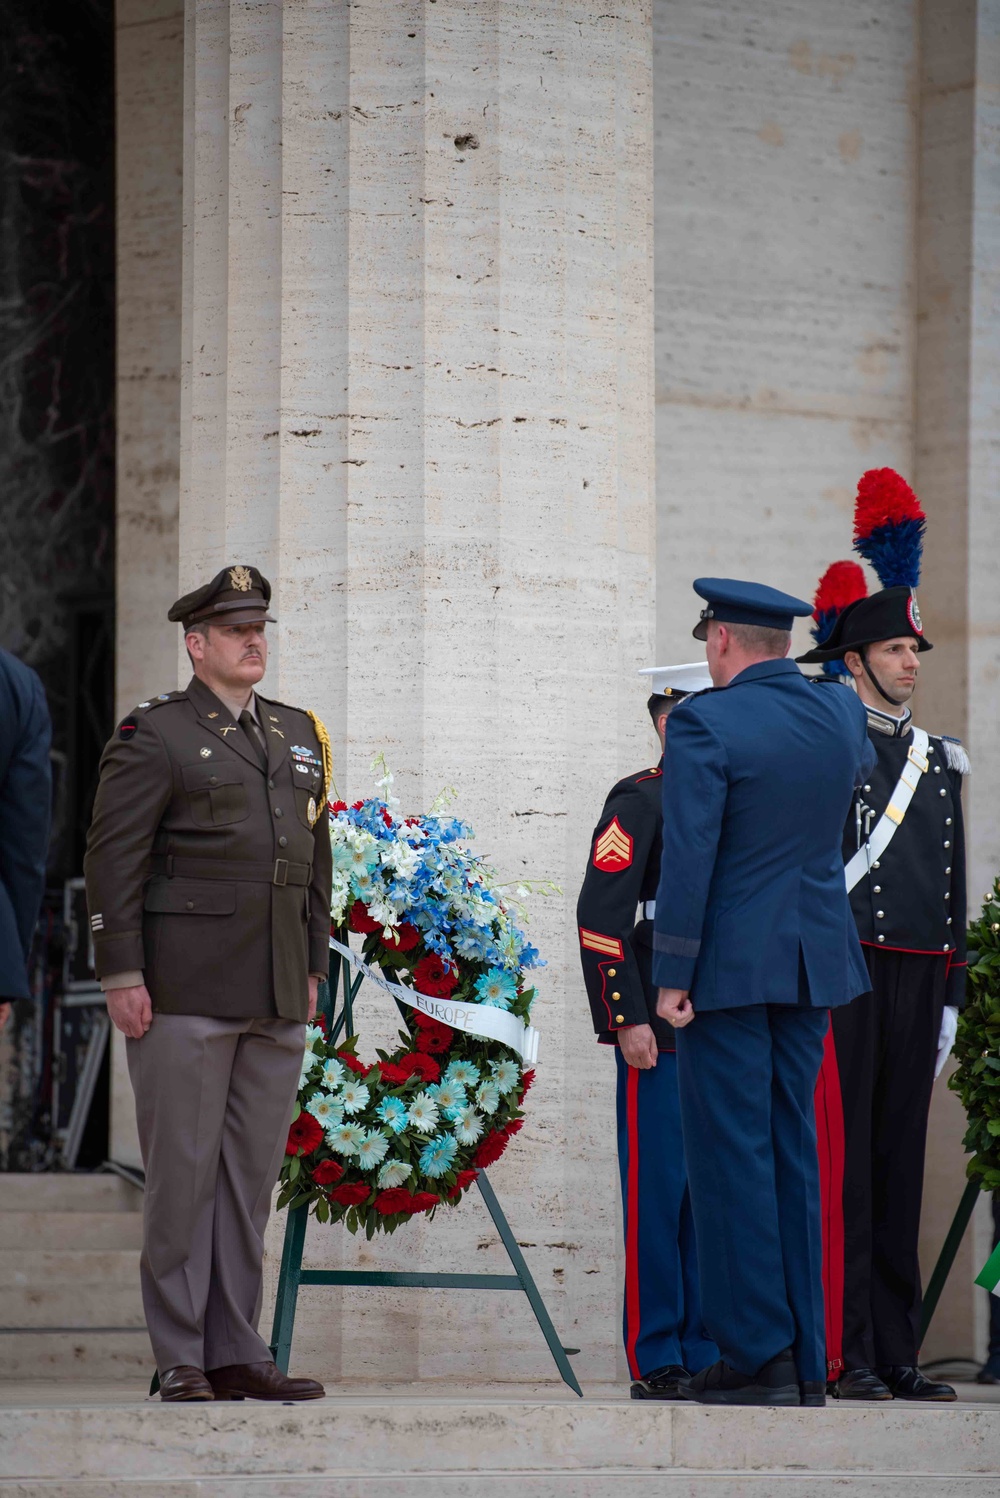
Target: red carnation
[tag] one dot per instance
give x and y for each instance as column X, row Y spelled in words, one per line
column 423, row 1201
column 434, row 977
column 351, row 1193
column 527, row 1078
column 434, row 1038
column 338, row 806
column 327, row 1172
column 393, row 1073
column 514, row 1127
column 393, row 1200
column 387, row 817
column 353, row 1064
column 404, row 940
column 464, row 1179
column 425, row 1067
column 359, row 920
column 304, row 1135
column 357, row 806
column 491, row 1149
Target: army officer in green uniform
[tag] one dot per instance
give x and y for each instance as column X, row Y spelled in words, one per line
column 208, row 888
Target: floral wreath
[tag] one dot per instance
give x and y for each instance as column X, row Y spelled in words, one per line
column 374, row 1144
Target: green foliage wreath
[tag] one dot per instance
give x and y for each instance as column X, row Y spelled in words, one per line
column 977, row 1046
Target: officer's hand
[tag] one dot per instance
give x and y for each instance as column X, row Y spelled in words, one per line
column 313, row 995
column 131, row 1010
column 4, row 1014
column 638, row 1045
column 675, row 1007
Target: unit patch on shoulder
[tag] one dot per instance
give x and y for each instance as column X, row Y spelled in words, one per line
column 613, row 849
column 127, row 728
column 594, row 941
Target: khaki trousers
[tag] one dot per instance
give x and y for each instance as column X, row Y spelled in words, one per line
column 214, row 1100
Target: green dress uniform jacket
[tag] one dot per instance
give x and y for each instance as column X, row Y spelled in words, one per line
column 206, row 871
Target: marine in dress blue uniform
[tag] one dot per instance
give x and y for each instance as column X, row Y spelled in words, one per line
column 754, row 925
column 665, row 1340
column 25, row 815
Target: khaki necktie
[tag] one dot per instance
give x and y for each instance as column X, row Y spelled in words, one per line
column 251, row 728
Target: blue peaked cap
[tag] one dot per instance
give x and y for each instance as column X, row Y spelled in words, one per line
column 732, row 602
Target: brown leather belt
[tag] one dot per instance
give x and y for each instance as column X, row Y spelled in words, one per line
column 281, row 872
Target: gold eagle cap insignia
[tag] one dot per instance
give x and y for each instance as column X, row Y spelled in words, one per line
column 240, row 579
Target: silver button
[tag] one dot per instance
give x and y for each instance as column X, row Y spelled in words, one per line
column 867, row 787
column 282, row 842
column 270, row 785
column 947, row 947
column 278, row 812
column 947, row 821
column 878, row 889
column 946, row 844
column 880, row 915
column 189, row 905
column 948, row 869
column 881, row 938
column 943, row 791
column 876, row 864
column 948, row 921
column 937, row 769
column 947, row 894
column 930, row 748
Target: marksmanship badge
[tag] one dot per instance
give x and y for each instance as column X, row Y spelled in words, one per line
column 312, row 811
column 240, row 579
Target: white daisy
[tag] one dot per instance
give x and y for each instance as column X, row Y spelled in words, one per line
column 345, row 1138
column 393, row 1173
column 325, row 1109
column 506, row 1074
column 423, row 1114
column 309, row 1062
column 487, row 1096
column 314, row 1037
column 353, row 1095
column 372, row 1149
column 448, row 1095
column 462, row 1072
column 468, row 1125
column 334, row 1073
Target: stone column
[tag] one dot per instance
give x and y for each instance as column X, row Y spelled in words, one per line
column 417, row 392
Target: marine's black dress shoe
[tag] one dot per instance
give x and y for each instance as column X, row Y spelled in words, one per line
column 859, row 1383
column 662, row 1383
column 776, row 1383
column 910, row 1383
column 184, row 1383
column 261, row 1381
column 812, row 1393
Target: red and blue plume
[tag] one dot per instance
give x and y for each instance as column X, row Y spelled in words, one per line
column 842, row 583
column 889, row 527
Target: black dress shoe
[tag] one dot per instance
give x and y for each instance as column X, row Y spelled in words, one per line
column 662, row 1383
column 776, row 1383
column 812, row 1393
column 184, row 1383
column 859, row 1383
column 988, row 1374
column 261, row 1381
column 910, row 1383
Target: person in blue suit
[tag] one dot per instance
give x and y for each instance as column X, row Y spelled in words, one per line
column 753, row 942
column 25, row 815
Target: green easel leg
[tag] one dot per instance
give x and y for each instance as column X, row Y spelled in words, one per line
column 946, row 1259
column 288, row 1286
column 527, row 1283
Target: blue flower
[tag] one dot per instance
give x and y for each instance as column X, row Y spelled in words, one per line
column 392, row 1112
column 448, row 1094
column 464, row 1073
column 496, row 989
column 437, row 1155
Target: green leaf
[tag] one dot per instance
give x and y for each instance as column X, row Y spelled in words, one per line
column 294, row 1168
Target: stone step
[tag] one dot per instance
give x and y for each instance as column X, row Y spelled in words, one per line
column 93, row 1353
column 66, row 1192
column 70, row 1230
column 361, row 1447
column 118, row 1302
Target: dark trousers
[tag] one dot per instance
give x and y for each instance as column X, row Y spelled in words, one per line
column 747, row 1078
column 662, row 1311
column 886, row 1045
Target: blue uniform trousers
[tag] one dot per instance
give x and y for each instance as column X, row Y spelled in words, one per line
column 746, row 1080
column 662, row 1315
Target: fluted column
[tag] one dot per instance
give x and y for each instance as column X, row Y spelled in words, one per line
column 417, row 392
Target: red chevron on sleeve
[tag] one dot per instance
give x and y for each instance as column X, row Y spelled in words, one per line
column 613, row 849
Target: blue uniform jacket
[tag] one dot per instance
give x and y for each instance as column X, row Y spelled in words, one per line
column 25, row 814
column 759, row 777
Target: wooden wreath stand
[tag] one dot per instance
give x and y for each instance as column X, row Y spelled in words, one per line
column 292, row 1276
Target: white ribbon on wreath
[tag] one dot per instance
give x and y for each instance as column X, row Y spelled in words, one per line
column 474, row 1019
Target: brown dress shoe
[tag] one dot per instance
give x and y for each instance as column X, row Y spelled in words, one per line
column 184, row 1382
column 261, row 1381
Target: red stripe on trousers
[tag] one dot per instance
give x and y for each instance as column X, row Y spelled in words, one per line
column 830, row 1145
column 632, row 1221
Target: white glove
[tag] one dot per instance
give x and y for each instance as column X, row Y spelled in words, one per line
column 949, row 1029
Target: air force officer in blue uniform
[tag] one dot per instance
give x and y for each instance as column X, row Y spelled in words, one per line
column 753, row 942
